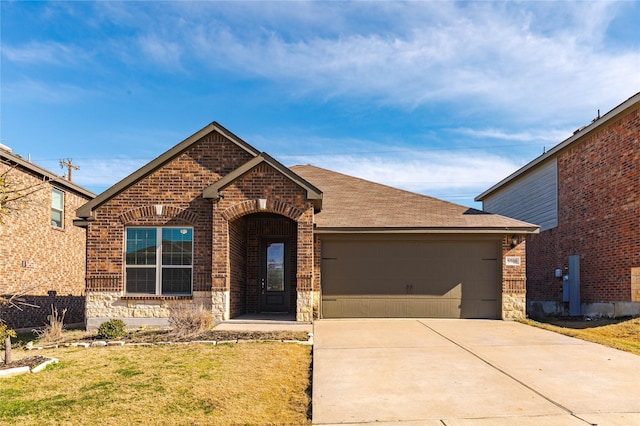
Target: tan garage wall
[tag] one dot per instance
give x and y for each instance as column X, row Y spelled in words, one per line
column 410, row 277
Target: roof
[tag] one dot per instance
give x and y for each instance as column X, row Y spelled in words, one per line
column 313, row 193
column 352, row 204
column 59, row 181
column 577, row 137
column 87, row 209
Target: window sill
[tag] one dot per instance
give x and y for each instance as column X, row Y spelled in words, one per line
column 156, row 297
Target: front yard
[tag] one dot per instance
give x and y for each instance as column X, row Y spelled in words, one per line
column 621, row 333
column 257, row 383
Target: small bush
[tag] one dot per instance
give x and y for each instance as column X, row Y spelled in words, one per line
column 5, row 332
column 190, row 321
column 111, row 329
column 52, row 332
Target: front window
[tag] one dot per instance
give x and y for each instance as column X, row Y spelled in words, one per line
column 164, row 268
column 57, row 208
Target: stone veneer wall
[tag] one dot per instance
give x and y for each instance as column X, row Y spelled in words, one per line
column 135, row 312
column 514, row 281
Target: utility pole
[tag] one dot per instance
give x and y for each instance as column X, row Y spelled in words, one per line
column 68, row 163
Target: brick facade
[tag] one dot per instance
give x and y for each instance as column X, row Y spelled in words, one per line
column 236, row 200
column 46, row 260
column 598, row 219
column 226, row 234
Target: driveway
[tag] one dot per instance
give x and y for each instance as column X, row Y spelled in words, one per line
column 461, row 372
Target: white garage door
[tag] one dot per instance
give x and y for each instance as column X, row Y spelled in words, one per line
column 419, row 278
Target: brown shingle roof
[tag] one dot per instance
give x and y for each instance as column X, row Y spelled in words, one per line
column 350, row 203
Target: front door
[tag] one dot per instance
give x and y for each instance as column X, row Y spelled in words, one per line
column 274, row 275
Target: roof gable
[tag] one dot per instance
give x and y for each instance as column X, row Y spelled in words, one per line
column 87, row 209
column 352, row 204
column 313, row 193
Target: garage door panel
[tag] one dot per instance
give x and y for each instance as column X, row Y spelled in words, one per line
column 444, row 279
column 381, row 307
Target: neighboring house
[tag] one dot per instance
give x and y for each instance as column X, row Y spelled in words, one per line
column 213, row 221
column 42, row 255
column 585, row 195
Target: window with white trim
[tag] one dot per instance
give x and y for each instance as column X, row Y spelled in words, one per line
column 57, row 208
column 159, row 260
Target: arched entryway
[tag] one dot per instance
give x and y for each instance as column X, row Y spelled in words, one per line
column 263, row 264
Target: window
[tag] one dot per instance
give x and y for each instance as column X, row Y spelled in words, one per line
column 57, row 208
column 162, row 269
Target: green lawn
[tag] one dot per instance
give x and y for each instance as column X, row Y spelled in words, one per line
column 257, row 383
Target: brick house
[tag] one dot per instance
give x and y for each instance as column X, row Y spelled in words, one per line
column 585, row 195
column 213, row 221
column 41, row 250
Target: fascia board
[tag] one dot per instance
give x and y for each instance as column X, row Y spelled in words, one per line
column 52, row 178
column 509, row 230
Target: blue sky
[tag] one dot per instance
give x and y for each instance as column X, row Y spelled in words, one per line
column 441, row 98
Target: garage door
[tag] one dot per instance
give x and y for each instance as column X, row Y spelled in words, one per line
column 410, row 278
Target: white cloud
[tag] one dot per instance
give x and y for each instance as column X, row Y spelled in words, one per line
column 162, row 52
column 528, row 60
column 451, row 175
column 553, row 136
column 39, row 53
column 99, row 174
column 37, row 91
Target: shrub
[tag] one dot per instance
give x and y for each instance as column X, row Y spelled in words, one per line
column 5, row 332
column 5, row 341
column 189, row 321
column 111, row 329
column 52, row 332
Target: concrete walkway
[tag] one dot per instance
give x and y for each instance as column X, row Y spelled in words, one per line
column 463, row 372
column 265, row 322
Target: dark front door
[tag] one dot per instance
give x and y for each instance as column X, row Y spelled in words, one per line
column 274, row 276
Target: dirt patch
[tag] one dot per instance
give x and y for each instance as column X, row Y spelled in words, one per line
column 581, row 322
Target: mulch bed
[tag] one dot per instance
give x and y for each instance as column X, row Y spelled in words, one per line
column 156, row 336
column 30, row 361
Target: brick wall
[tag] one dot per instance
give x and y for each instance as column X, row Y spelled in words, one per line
column 177, row 186
column 282, row 197
column 239, row 257
column 598, row 217
column 46, row 260
column 172, row 195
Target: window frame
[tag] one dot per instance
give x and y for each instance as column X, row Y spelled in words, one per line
column 158, row 265
column 57, row 210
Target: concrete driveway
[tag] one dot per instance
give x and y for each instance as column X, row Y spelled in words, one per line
column 461, row 372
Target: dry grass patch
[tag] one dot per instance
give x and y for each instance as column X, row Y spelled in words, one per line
column 623, row 334
column 263, row 383
column 53, row 331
